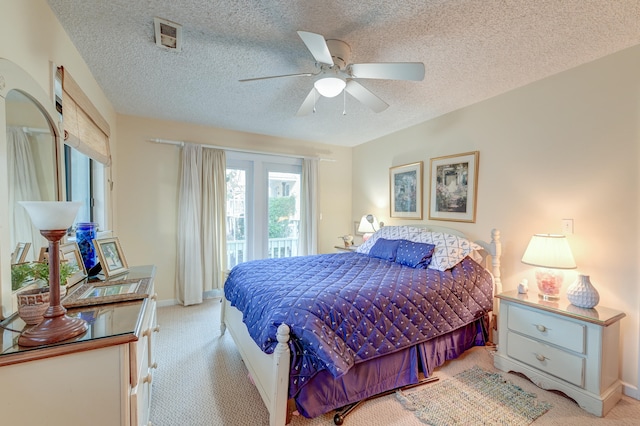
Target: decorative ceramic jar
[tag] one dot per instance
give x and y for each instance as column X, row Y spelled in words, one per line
column 32, row 304
column 582, row 293
column 85, row 234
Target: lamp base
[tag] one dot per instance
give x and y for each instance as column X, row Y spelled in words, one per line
column 549, row 283
column 53, row 330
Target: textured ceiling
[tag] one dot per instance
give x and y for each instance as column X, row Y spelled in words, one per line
column 472, row 50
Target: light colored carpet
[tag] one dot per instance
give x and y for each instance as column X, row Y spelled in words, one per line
column 201, row 380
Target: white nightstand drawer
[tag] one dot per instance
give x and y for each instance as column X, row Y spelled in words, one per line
column 563, row 333
column 565, row 365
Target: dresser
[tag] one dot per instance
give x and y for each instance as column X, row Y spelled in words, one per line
column 102, row 377
column 562, row 347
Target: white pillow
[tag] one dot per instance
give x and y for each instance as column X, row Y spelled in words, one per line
column 449, row 251
column 390, row 233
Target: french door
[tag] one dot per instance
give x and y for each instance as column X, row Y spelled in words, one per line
column 263, row 207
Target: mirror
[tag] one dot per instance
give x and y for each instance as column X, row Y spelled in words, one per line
column 29, row 160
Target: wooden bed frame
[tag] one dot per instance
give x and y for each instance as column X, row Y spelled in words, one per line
column 270, row 372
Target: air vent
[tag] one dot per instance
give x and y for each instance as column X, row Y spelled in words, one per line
column 168, row 34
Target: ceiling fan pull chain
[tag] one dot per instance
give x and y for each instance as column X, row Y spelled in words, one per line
column 314, row 101
column 344, row 102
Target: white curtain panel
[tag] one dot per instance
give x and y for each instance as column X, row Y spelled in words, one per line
column 214, row 232
column 23, row 186
column 309, row 208
column 189, row 271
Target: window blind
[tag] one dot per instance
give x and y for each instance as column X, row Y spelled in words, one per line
column 84, row 127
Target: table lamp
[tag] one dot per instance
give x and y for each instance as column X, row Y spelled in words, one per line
column 368, row 225
column 52, row 218
column 551, row 253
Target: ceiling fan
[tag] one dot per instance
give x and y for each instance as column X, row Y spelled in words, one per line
column 335, row 74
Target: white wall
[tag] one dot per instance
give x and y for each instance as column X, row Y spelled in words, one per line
column 562, row 147
column 146, row 183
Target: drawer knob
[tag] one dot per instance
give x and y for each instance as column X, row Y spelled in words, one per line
column 155, row 296
column 540, row 357
column 156, row 329
column 154, row 365
column 541, row 328
column 147, row 379
column 147, row 332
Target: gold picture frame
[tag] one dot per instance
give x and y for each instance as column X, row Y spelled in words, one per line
column 96, row 293
column 70, row 253
column 405, row 194
column 453, row 187
column 111, row 256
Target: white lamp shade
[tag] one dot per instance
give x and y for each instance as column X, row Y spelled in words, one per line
column 330, row 87
column 51, row 215
column 368, row 224
column 549, row 251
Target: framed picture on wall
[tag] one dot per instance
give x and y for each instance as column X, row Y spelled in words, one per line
column 111, row 256
column 405, row 183
column 454, row 187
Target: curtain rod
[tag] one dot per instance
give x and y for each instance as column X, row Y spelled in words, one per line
column 228, row 148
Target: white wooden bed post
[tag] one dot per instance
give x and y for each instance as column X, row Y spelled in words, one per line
column 281, row 367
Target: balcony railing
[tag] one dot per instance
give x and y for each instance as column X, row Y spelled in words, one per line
column 278, row 247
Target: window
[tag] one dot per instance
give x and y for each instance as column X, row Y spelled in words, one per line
column 263, row 207
column 84, row 180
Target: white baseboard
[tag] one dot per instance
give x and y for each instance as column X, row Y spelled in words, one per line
column 631, row 391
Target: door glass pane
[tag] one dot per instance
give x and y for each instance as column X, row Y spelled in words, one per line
column 284, row 214
column 78, row 181
column 236, row 215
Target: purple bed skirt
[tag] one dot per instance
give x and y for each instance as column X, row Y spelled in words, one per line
column 325, row 393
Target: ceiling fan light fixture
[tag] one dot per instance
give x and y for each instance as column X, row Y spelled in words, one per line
column 330, row 86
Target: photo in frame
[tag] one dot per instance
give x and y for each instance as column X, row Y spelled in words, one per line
column 405, row 194
column 70, row 253
column 96, row 293
column 453, row 187
column 111, row 256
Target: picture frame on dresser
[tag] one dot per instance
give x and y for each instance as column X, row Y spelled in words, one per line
column 453, row 187
column 70, row 253
column 111, row 256
column 405, row 191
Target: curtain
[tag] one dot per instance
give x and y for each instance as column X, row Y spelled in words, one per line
column 214, row 232
column 309, row 208
column 189, row 275
column 202, row 231
column 23, row 186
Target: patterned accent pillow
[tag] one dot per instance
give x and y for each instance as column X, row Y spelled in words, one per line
column 390, row 233
column 385, row 249
column 449, row 251
column 415, row 255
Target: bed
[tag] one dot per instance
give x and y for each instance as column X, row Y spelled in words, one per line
column 288, row 317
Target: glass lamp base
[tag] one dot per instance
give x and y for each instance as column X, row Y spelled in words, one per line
column 549, row 283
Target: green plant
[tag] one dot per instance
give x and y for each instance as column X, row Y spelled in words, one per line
column 20, row 275
column 40, row 271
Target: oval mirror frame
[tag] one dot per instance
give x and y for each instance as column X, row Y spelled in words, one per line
column 12, row 77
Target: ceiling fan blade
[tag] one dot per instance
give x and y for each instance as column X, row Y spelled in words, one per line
column 302, row 74
column 365, row 96
column 309, row 103
column 389, row 71
column 317, row 45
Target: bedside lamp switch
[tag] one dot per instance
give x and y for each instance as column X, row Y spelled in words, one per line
column 567, row 226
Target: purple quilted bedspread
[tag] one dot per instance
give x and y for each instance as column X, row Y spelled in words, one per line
column 346, row 308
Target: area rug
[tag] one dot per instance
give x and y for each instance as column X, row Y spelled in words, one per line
column 474, row 397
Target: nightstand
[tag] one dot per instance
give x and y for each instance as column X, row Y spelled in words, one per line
column 343, row 249
column 560, row 346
